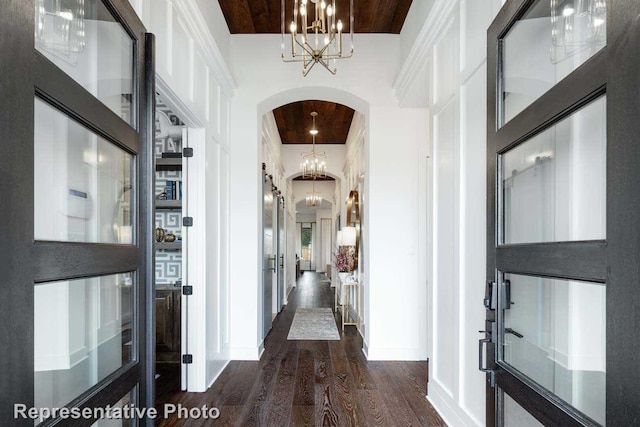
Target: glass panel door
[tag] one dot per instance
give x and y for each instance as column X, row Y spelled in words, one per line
column 269, row 246
column 562, row 223
column 76, row 180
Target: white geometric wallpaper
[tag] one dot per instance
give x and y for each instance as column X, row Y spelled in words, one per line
column 168, row 263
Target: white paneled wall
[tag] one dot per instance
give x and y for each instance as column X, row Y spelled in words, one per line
column 354, row 173
column 450, row 52
column 193, row 79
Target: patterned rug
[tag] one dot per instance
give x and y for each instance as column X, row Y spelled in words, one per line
column 314, row 324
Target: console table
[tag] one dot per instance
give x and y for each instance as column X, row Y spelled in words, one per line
column 343, row 298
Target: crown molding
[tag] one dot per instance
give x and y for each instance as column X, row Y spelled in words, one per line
column 271, row 139
column 202, row 36
column 418, row 57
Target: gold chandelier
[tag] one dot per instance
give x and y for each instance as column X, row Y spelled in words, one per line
column 320, row 41
column 314, row 198
column 314, row 163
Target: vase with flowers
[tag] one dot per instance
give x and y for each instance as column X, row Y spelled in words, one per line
column 343, row 261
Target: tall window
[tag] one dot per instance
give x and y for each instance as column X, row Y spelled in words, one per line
column 306, row 240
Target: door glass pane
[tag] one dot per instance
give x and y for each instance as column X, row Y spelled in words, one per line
column 515, row 415
column 555, row 334
column 83, row 183
column 119, row 415
column 86, row 42
column 554, row 185
column 82, row 333
column 551, row 40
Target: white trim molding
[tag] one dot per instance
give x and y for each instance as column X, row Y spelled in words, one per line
column 419, row 55
column 201, row 34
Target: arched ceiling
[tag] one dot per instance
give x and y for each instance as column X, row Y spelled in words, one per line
column 326, row 178
column 294, row 121
column 263, row 16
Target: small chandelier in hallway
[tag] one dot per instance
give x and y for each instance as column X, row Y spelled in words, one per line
column 316, row 37
column 314, row 163
column 314, row 198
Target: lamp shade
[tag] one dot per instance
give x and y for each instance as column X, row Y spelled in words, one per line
column 339, row 238
column 348, row 236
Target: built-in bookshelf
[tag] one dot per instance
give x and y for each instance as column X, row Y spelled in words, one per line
column 168, row 216
column 170, row 262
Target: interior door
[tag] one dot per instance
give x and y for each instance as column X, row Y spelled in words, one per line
column 281, row 254
column 269, row 257
column 561, row 332
column 326, row 245
column 77, row 120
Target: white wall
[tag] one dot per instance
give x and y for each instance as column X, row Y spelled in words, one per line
column 450, row 51
column 193, row 79
column 364, row 83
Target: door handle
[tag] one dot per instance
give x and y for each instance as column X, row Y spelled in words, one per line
column 271, row 259
column 481, row 345
column 511, row 331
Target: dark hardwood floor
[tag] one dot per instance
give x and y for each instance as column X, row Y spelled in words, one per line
column 306, row 383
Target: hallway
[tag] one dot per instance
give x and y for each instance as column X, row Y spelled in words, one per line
column 301, row 383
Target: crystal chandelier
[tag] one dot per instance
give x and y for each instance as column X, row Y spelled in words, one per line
column 314, row 198
column 314, row 164
column 320, row 39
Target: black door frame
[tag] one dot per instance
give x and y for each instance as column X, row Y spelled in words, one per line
column 26, row 74
column 614, row 71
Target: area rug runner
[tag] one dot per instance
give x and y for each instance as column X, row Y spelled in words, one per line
column 314, row 324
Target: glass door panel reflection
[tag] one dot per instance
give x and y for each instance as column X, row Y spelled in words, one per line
column 82, row 333
column 552, row 39
column 129, row 400
column 554, row 184
column 83, row 185
column 515, row 415
column 83, row 39
column 555, row 334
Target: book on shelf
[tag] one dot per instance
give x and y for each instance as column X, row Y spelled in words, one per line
column 169, row 190
column 171, row 155
column 173, row 189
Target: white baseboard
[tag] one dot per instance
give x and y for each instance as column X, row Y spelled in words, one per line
column 450, row 412
column 246, row 353
column 216, row 366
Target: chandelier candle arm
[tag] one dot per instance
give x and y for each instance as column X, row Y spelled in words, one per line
column 326, row 28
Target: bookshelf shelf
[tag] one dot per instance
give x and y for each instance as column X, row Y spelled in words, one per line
column 169, row 246
column 169, row 204
column 168, row 163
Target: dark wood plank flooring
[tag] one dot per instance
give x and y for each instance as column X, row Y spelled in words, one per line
column 307, row 383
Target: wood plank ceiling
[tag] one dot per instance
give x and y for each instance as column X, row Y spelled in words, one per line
column 294, row 122
column 264, row 16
